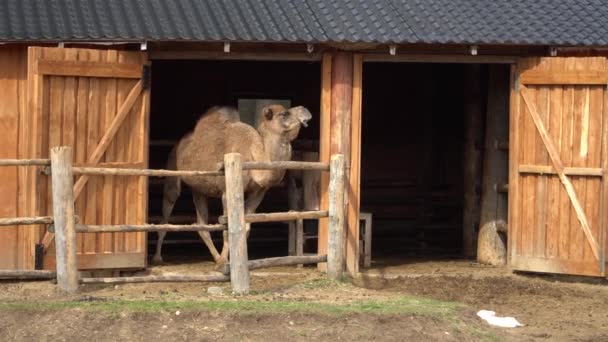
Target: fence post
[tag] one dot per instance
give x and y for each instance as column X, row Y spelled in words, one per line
column 239, row 268
column 64, row 219
column 335, row 245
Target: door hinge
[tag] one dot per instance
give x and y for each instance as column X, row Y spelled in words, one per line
column 146, row 77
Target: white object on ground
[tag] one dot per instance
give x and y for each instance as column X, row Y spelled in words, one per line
column 504, row 322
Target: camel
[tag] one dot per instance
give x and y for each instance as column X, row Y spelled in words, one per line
column 219, row 131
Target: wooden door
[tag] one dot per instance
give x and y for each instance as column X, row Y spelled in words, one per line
column 558, row 165
column 97, row 102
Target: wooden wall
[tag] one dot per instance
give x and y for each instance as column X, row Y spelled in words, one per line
column 13, row 90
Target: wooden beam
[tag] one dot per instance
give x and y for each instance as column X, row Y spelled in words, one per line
column 353, row 185
column 491, row 246
column 141, row 172
column 286, row 165
column 89, row 69
column 559, row 167
column 324, row 152
column 564, row 78
column 25, row 162
column 439, row 59
column 220, row 55
column 568, row 171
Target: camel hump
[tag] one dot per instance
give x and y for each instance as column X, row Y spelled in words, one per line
column 219, row 116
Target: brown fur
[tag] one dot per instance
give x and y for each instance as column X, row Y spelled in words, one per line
column 218, row 132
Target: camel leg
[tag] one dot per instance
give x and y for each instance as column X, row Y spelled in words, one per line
column 202, row 213
column 251, row 204
column 171, row 190
column 225, row 248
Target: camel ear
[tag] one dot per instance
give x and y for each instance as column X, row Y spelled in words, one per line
column 267, row 112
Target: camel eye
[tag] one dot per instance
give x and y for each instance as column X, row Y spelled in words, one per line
column 284, row 114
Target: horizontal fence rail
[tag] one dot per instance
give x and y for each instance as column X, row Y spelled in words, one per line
column 27, row 274
column 286, row 165
column 83, row 228
column 280, row 217
column 25, row 162
column 158, row 279
column 65, row 224
column 13, row 221
column 101, row 171
column 280, row 261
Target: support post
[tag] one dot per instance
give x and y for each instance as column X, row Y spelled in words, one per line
column 64, row 219
column 335, row 246
column 492, row 242
column 239, row 270
column 472, row 158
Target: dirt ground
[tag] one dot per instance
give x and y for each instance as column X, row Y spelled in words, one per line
column 552, row 308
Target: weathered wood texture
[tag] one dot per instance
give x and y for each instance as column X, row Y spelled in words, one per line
column 105, row 120
column 63, row 213
column 491, row 245
column 473, row 132
column 341, row 95
column 235, row 202
column 149, row 228
column 280, row 261
column 278, row 217
column 28, row 274
column 557, row 220
column 158, row 279
column 16, row 243
column 337, row 218
column 11, row 221
column 141, row 172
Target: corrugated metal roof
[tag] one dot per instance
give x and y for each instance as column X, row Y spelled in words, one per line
column 554, row 22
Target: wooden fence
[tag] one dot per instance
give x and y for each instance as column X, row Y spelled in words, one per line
column 65, row 225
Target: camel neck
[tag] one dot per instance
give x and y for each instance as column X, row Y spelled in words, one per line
column 277, row 147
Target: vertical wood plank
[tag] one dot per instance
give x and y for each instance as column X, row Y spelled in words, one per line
column 120, row 147
column 142, row 191
column 110, row 156
column 91, row 139
column 566, row 156
column 514, row 161
column 324, row 152
column 603, row 214
column 354, row 178
column 10, row 75
column 554, row 187
column 542, row 158
column 239, row 268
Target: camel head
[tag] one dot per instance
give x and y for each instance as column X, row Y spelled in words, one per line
column 284, row 122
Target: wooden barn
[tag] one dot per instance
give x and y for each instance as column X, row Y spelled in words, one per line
column 460, row 121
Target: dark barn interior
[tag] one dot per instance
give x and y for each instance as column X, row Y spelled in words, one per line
column 412, row 148
column 411, row 162
column 181, row 92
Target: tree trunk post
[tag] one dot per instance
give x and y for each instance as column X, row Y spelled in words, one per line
column 64, row 219
column 335, row 247
column 239, row 271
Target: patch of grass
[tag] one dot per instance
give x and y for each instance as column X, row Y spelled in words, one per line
column 398, row 305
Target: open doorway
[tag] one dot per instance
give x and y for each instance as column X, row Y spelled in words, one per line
column 181, row 92
column 412, row 171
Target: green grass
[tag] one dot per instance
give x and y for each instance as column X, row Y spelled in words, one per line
column 399, row 305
